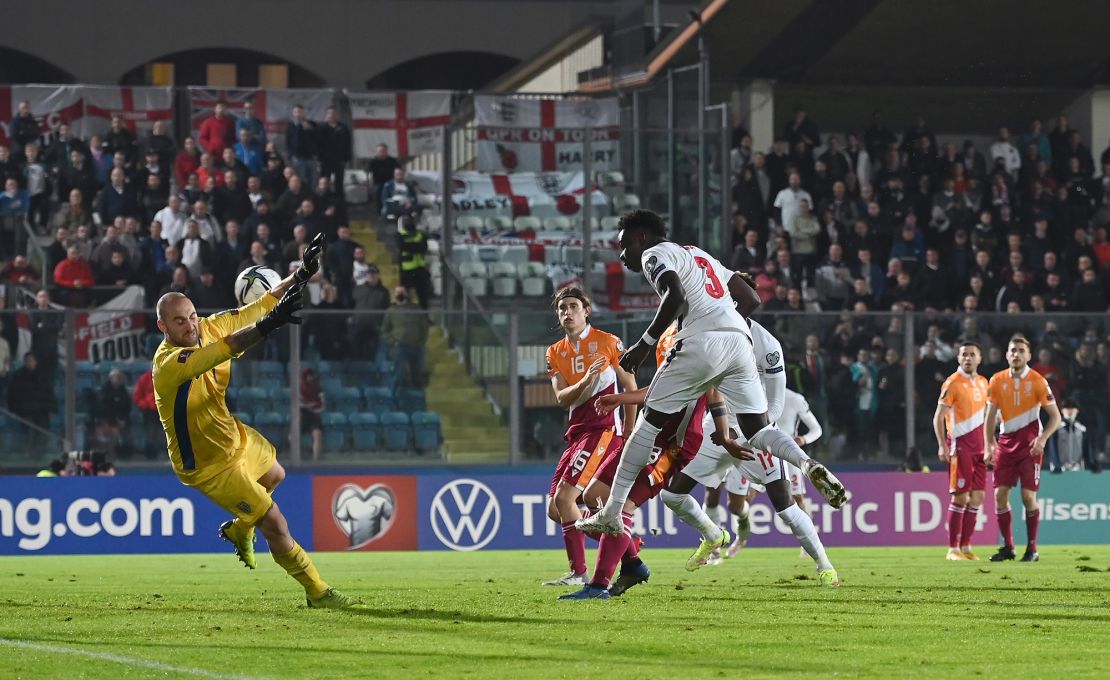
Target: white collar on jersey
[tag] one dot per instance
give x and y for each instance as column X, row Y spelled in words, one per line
column 1024, row 372
column 964, row 373
column 581, row 336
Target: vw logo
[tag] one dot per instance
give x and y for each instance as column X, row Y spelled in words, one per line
column 465, row 515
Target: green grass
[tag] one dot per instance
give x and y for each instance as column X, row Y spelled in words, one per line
column 900, row 613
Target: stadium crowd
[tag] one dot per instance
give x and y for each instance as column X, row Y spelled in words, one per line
column 882, row 222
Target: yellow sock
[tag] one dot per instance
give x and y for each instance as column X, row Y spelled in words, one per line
column 299, row 565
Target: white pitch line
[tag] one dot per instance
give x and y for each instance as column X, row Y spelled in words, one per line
column 116, row 658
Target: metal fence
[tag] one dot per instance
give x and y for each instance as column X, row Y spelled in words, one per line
column 872, row 380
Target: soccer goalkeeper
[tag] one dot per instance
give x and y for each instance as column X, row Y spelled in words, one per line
column 211, row 450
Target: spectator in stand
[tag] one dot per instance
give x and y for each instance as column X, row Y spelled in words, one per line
column 116, row 274
column 196, row 251
column 335, row 148
column 208, row 293
column 99, row 161
column 802, row 130
column 292, row 199
column 339, row 265
column 79, row 176
column 82, row 238
column 1090, row 383
column 23, row 129
column 231, row 201
column 788, row 200
column 399, row 196
column 272, row 245
column 272, row 180
column 381, row 169
column 13, row 209
column 151, row 198
column 932, row 283
column 31, row 397
column 406, row 327
column 1018, row 292
column 909, row 249
column 186, row 162
column 312, row 405
column 302, row 142
column 329, row 331
column 258, row 257
column 371, row 298
column 1073, row 148
column 231, row 163
column 306, row 217
column 143, row 399
column 172, row 218
column 1089, row 294
column 891, row 411
column 153, row 165
column 804, row 230
column 1101, row 249
column 119, row 139
column 58, row 152
column 208, row 171
column 229, row 252
column 5, row 359
column 1076, row 251
column 163, row 147
column 116, row 199
column 750, row 254
column 217, row 132
column 209, row 227
column 290, row 252
column 36, row 181
column 250, row 152
column 250, row 122
column 179, row 283
column 19, row 272
column 833, row 280
column 413, row 251
column 767, row 280
column 865, row 377
column 329, row 204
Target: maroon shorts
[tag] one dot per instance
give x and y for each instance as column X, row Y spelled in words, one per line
column 580, row 461
column 651, row 480
column 967, row 471
column 1014, row 460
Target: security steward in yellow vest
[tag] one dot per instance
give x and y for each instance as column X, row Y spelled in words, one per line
column 414, row 269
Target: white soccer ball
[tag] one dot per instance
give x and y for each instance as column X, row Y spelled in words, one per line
column 253, row 282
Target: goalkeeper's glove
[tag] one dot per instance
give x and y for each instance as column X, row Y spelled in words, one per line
column 310, row 263
column 283, row 313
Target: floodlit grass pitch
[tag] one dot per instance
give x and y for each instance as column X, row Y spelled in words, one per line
column 901, row 612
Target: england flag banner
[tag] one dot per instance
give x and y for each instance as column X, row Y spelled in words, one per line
column 409, row 123
column 545, row 135
column 524, row 193
column 51, row 105
column 274, row 107
column 139, row 107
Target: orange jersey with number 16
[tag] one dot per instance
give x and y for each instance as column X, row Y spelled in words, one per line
column 572, row 360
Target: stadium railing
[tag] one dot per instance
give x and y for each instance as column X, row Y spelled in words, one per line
column 485, row 396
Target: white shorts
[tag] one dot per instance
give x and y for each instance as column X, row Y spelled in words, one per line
column 721, row 359
column 714, row 465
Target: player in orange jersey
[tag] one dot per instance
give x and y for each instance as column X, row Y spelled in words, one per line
column 583, row 366
column 1018, row 394
column 958, row 426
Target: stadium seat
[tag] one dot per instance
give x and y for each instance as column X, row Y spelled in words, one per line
column 356, row 186
column 610, row 223
column 468, row 222
column 433, row 223
column 503, row 275
column 378, row 399
column 411, row 400
column 396, row 432
column 556, row 223
column 499, row 223
column 244, row 417
column 361, row 373
column 328, row 368
column 533, row 278
column 263, row 369
column 527, row 222
column 364, row 431
column 579, row 220
column 254, row 399
column 274, row 426
column 625, row 202
column 336, row 431
column 151, row 342
column 331, row 384
column 271, row 385
column 475, row 276
column 344, row 399
column 425, row 431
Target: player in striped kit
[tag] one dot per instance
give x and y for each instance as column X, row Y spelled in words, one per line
column 958, row 426
column 582, row 366
column 1018, row 394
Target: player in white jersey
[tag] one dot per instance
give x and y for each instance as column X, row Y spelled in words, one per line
column 741, row 491
column 714, row 461
column 713, row 350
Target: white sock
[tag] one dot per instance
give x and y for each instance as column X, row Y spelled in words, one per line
column 780, row 445
column 689, row 511
column 802, row 526
column 637, row 452
column 716, row 513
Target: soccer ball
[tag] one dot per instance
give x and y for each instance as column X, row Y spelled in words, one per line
column 253, row 282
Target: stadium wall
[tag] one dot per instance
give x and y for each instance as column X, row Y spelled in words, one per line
column 467, row 509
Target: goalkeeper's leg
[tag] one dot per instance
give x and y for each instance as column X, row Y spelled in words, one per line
column 297, row 563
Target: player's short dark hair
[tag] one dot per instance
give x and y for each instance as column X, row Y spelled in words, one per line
column 643, row 220
column 967, row 342
column 1021, row 340
column 571, row 292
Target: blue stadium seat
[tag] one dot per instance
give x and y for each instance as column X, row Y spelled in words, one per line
column 396, row 431
column 253, row 399
column 245, row 417
column 364, row 430
column 331, row 384
column 273, row 425
column 361, row 373
column 151, row 342
column 425, row 431
column 271, row 385
column 329, row 369
column 263, row 369
column 378, row 399
column 386, row 369
column 411, row 400
column 336, row 431
column 344, row 399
